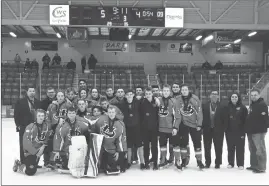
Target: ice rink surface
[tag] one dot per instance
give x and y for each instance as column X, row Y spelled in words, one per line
column 191, row 175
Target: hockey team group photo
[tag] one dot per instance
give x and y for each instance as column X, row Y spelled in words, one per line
column 134, row 92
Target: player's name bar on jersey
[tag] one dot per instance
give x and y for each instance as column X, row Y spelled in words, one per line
column 117, row 16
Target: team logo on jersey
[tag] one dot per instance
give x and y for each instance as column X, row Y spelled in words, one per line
column 187, row 111
column 77, row 132
column 163, row 111
column 63, row 112
column 41, row 138
column 108, row 132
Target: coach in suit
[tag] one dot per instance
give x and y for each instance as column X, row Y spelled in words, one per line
column 24, row 114
column 212, row 129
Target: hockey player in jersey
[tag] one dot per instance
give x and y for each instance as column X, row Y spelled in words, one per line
column 63, row 134
column 114, row 143
column 192, row 117
column 176, row 94
column 169, row 120
column 58, row 109
column 131, row 110
column 56, row 114
column 35, row 141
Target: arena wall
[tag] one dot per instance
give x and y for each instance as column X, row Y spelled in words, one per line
column 250, row 52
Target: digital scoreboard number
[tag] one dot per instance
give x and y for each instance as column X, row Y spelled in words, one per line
column 117, row 16
column 113, row 16
column 147, row 17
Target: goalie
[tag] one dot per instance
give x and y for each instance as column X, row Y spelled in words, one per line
column 62, row 138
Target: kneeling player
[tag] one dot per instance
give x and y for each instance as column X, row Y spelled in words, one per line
column 114, row 143
column 62, row 138
column 169, row 120
column 35, row 140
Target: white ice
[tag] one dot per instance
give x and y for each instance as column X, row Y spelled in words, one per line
column 191, row 175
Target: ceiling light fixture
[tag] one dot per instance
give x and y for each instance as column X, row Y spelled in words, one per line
column 210, row 37
column 12, row 34
column 198, row 38
column 252, row 34
column 58, row 35
column 237, row 41
column 130, row 36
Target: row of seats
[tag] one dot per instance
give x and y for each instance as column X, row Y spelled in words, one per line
column 57, row 77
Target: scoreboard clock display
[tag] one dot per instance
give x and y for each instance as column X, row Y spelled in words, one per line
column 117, row 16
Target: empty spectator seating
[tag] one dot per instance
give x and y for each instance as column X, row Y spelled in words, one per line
column 105, row 74
column 12, row 75
column 58, row 78
column 232, row 78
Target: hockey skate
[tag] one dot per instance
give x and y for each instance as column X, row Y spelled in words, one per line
column 187, row 160
column 170, row 161
column 178, row 167
column 164, row 165
column 16, row 165
column 183, row 164
column 200, row 165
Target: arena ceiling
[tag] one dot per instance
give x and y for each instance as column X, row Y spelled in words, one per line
column 30, row 19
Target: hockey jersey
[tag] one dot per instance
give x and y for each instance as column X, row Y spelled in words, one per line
column 168, row 118
column 191, row 112
column 57, row 111
column 114, row 134
column 63, row 134
column 34, row 137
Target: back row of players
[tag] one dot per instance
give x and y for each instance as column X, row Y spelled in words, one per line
column 135, row 121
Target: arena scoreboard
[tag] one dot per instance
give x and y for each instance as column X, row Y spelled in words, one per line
column 116, row 16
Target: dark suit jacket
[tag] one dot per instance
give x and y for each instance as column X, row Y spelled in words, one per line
column 22, row 114
column 206, row 116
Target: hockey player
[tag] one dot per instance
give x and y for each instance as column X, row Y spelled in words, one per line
column 131, row 111
column 192, row 117
column 109, row 93
column 114, row 143
column 155, row 90
column 58, row 109
column 176, row 94
column 149, row 126
column 169, row 120
column 71, row 96
column 35, row 141
column 94, row 98
column 82, row 108
column 118, row 98
column 105, row 105
column 62, row 138
column 56, row 114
